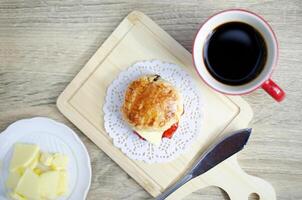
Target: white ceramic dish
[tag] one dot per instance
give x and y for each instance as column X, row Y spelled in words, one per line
column 51, row 136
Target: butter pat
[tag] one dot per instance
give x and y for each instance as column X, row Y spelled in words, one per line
column 23, row 155
column 15, row 196
column 40, row 168
column 38, row 171
column 34, row 163
column 13, row 179
column 46, row 159
column 62, row 186
column 36, row 175
column 151, row 136
column 59, row 162
column 29, row 185
column 49, row 183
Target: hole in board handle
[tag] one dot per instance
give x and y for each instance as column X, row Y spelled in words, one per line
column 254, row 196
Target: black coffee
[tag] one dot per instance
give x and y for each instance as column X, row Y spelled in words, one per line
column 235, row 53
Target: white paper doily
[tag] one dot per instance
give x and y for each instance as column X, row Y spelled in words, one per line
column 189, row 125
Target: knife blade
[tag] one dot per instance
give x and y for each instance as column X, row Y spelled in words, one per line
column 221, row 150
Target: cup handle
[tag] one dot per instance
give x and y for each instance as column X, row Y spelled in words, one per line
column 274, row 90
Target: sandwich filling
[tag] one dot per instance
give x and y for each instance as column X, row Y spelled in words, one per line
column 152, row 107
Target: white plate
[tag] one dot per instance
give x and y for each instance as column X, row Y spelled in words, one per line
column 51, row 136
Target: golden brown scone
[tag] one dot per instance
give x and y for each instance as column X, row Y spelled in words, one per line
column 152, row 104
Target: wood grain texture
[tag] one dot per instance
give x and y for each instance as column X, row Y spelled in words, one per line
column 43, row 44
column 138, row 38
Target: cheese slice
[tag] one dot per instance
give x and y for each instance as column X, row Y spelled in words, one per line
column 24, row 155
column 151, row 136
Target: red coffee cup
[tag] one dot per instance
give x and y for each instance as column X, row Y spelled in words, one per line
column 263, row 80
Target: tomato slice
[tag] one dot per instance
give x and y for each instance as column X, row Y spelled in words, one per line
column 169, row 133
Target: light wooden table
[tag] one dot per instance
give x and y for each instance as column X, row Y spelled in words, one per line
column 43, row 44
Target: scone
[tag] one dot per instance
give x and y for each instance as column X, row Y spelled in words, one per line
column 152, row 107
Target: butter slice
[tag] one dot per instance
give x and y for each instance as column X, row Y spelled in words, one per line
column 40, row 168
column 15, row 196
column 13, row 179
column 62, row 186
column 49, row 182
column 29, row 185
column 23, row 155
column 59, row 162
column 46, row 158
column 34, row 163
column 38, row 171
column 151, row 136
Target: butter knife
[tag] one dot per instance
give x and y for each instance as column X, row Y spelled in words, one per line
column 223, row 149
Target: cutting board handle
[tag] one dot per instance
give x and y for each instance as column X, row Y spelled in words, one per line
column 232, row 179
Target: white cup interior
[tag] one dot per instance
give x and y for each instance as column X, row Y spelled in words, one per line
column 235, row 16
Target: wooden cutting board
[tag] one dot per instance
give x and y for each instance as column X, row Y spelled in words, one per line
column 139, row 38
